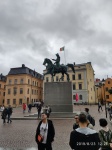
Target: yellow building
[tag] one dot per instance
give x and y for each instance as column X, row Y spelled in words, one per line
column 107, row 87
column 23, row 86
column 82, row 82
column 2, row 89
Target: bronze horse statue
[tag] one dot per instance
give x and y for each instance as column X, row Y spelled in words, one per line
column 53, row 70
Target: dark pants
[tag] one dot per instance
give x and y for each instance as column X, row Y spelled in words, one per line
column 9, row 119
column 4, row 120
column 39, row 113
column 42, row 146
column 99, row 108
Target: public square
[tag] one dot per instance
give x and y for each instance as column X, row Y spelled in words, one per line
column 20, row 134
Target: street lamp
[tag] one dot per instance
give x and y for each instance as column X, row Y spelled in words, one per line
column 104, row 99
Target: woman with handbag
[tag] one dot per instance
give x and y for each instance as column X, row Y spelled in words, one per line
column 45, row 133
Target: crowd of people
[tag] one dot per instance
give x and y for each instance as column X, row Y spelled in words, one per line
column 83, row 136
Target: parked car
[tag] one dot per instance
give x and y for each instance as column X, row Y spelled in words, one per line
column 34, row 104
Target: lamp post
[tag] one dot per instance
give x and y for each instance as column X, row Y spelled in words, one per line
column 105, row 100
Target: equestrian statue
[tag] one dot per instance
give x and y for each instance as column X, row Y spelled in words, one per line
column 56, row 68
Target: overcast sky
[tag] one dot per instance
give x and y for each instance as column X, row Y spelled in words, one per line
column 32, row 30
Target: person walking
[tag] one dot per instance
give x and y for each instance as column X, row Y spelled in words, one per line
column 24, row 107
column 9, row 113
column 45, row 133
column 4, row 114
column 29, row 108
column 84, row 138
column 99, row 106
column 105, row 135
column 39, row 107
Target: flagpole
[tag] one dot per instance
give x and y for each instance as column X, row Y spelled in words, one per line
column 64, row 55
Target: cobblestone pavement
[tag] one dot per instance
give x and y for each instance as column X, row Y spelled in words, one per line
column 20, row 134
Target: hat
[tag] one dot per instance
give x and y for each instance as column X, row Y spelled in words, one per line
column 103, row 122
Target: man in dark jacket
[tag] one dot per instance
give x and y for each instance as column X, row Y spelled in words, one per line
column 46, row 130
column 84, row 138
column 76, row 124
column 9, row 113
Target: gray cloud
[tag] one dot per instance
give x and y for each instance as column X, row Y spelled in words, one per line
column 31, row 30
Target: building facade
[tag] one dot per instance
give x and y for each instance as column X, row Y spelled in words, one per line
column 82, row 82
column 2, row 89
column 23, row 85
column 107, row 87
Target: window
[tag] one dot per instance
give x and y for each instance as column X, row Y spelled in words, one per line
column 15, row 81
column 14, row 101
column 20, row 101
column 28, row 81
column 0, row 85
column 74, row 97
column 21, row 90
column 106, row 88
column 80, row 86
column 21, row 81
column 73, row 77
column 47, row 79
column 107, row 96
column 108, row 82
column 10, row 81
column 80, row 97
column 8, row 101
column 32, row 91
column 56, row 78
column 37, row 83
column 9, row 91
column 79, row 76
column 3, row 93
column 74, row 87
column 14, row 90
column 28, row 91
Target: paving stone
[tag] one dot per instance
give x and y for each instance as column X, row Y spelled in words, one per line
column 20, row 134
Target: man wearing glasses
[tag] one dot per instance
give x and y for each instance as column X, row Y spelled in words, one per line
column 76, row 124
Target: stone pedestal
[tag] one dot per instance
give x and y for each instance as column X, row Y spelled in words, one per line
column 58, row 95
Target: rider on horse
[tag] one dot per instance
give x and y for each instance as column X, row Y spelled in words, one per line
column 57, row 61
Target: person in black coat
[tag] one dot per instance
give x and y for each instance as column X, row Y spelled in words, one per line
column 9, row 113
column 84, row 138
column 46, row 129
column 4, row 114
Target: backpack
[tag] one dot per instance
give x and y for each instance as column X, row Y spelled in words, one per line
column 107, row 138
column 91, row 120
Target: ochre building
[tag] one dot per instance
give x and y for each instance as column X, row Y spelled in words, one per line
column 23, row 85
column 2, row 89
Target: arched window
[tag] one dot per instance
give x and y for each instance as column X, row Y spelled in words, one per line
column 80, row 97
